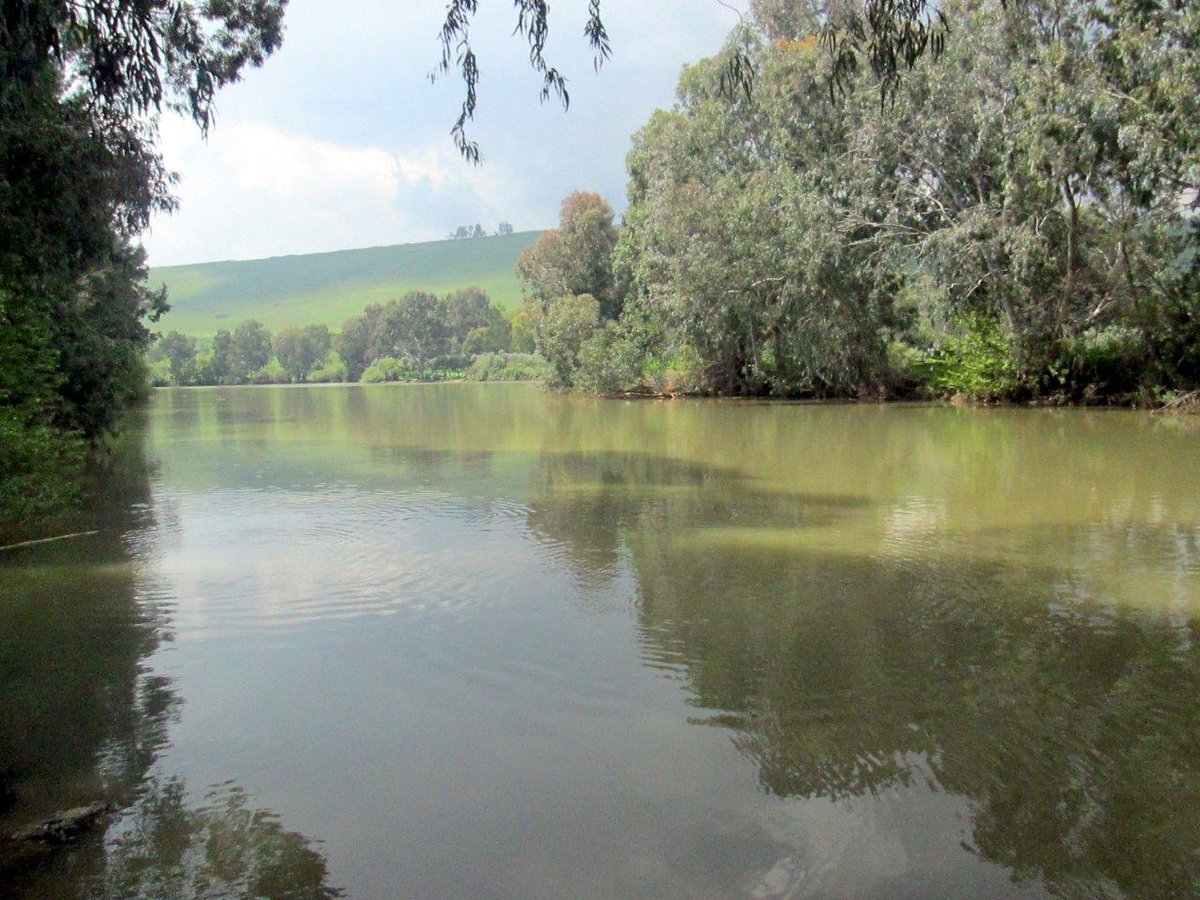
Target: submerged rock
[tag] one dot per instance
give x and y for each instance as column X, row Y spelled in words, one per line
column 64, row 827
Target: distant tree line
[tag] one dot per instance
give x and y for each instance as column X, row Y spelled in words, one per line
column 418, row 337
column 466, row 232
column 1019, row 221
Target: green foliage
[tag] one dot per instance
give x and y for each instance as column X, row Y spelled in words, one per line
column 575, row 258
column 331, row 371
column 249, row 350
column 39, row 470
column 70, row 294
column 1016, row 205
column 128, row 60
column 288, row 347
column 418, row 336
column 220, row 369
column 180, row 352
column 299, row 350
column 357, row 343
column 158, row 372
column 80, row 88
column 562, row 329
column 1111, row 362
column 508, row 367
column 473, row 325
column 270, row 373
column 976, row 363
column 523, row 330
column 387, row 368
column 745, row 257
column 609, row 362
column 433, row 334
column 495, row 337
column 101, row 340
column 415, row 327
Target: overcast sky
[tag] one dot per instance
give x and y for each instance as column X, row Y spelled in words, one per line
column 341, row 141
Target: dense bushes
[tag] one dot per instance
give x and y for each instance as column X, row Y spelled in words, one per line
column 387, row 368
column 29, row 449
column 973, row 360
column 508, row 367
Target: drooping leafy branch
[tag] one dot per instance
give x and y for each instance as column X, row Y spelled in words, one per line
column 533, row 24
column 132, row 58
column 888, row 35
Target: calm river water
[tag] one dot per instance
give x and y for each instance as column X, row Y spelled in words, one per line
column 486, row 641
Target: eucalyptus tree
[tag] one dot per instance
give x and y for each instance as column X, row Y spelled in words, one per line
column 466, row 311
column 357, row 342
column 315, row 343
column 250, row 349
column 734, row 235
column 1023, row 202
column 562, row 331
column 220, row 368
column 1041, row 173
column 574, row 258
column 415, row 327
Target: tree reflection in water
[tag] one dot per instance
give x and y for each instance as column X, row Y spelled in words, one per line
column 85, row 719
column 1070, row 725
column 222, row 848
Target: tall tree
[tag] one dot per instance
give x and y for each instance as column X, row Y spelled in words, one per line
column 416, row 328
column 1018, row 214
column 250, row 349
column 300, row 350
column 221, row 362
column 358, row 343
column 562, row 330
column 180, row 351
column 576, row 257
column 467, row 311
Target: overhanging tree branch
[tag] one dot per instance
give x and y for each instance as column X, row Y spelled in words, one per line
column 533, row 24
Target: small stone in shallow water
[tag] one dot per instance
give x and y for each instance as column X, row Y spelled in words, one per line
column 782, row 881
column 64, row 827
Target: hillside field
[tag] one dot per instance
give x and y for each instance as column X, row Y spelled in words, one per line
column 328, row 288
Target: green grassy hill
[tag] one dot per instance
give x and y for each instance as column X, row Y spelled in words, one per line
column 328, row 288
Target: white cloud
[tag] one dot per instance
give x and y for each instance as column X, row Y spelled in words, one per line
column 340, row 141
column 253, row 190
